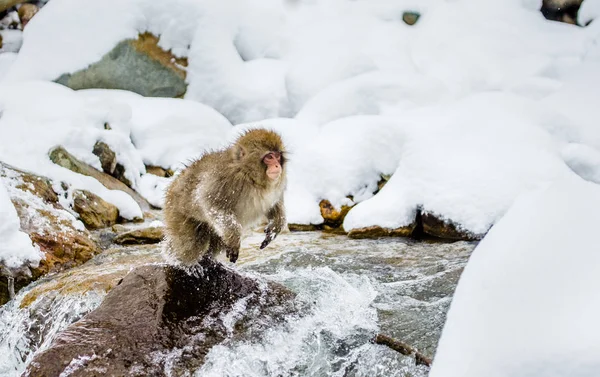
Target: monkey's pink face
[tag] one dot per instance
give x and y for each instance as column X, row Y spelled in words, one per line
column 273, row 162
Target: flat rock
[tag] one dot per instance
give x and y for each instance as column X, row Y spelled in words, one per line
column 162, row 321
column 142, row 236
column 379, row 232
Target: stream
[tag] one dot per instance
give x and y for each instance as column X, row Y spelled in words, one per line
column 349, row 290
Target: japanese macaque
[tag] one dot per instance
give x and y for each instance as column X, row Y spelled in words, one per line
column 212, row 201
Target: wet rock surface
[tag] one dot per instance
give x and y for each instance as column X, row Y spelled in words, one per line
column 142, row 236
column 157, row 310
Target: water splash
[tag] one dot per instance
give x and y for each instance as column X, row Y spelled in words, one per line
column 25, row 331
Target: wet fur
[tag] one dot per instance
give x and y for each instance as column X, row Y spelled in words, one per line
column 217, row 197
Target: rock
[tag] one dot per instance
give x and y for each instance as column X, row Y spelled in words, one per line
column 379, row 232
column 561, row 10
column 61, row 157
column 410, row 18
column 51, row 227
column 436, row 227
column 160, row 172
column 108, row 158
column 7, row 4
column 119, row 174
column 26, row 13
column 304, row 227
column 157, row 310
column 108, row 161
column 333, row 218
column 142, row 236
column 139, row 65
column 94, row 211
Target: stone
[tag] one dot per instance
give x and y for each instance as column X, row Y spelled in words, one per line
column 108, row 158
column 7, row 4
column 304, row 227
column 437, row 227
column 52, row 229
column 26, row 13
column 94, row 211
column 138, row 65
column 142, row 236
column 119, row 174
column 62, row 157
column 333, row 217
column 157, row 309
column 561, row 10
column 380, row 232
column 160, row 172
column 410, row 17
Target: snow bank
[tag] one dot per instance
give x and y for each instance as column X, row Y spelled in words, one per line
column 527, row 302
column 16, row 248
column 470, row 107
column 467, row 162
column 38, row 116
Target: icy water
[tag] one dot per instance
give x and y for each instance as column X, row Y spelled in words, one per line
column 350, row 291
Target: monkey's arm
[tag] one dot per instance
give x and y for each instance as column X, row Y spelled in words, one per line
column 227, row 226
column 276, row 217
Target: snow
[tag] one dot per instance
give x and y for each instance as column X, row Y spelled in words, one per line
column 468, row 109
column 527, row 302
column 16, row 248
column 590, row 10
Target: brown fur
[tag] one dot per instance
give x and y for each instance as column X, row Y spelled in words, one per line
column 212, row 201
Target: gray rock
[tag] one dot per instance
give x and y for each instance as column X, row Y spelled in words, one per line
column 137, row 65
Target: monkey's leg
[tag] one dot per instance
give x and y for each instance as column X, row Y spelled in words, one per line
column 191, row 241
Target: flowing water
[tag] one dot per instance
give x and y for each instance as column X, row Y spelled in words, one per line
column 349, row 290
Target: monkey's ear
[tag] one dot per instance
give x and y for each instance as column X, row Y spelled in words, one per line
column 238, row 152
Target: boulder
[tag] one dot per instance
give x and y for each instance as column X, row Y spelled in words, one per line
column 51, row 227
column 410, row 17
column 7, row 4
column 561, row 10
column 161, row 321
column 26, row 13
column 160, row 172
column 333, row 218
column 435, row 226
column 61, row 157
column 94, row 211
column 137, row 65
column 108, row 158
column 143, row 236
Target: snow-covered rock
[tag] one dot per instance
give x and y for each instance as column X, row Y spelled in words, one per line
column 527, row 303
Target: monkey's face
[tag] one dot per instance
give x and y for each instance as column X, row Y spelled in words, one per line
column 274, row 163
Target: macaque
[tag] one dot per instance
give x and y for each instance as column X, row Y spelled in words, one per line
column 216, row 198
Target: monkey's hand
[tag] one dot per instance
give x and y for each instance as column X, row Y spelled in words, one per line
column 271, row 230
column 232, row 254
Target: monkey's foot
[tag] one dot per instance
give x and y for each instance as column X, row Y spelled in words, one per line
column 232, row 254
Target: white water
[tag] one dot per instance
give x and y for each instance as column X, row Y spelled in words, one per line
column 347, row 292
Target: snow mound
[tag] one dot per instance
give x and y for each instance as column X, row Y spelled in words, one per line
column 139, row 130
column 527, row 302
column 467, row 162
